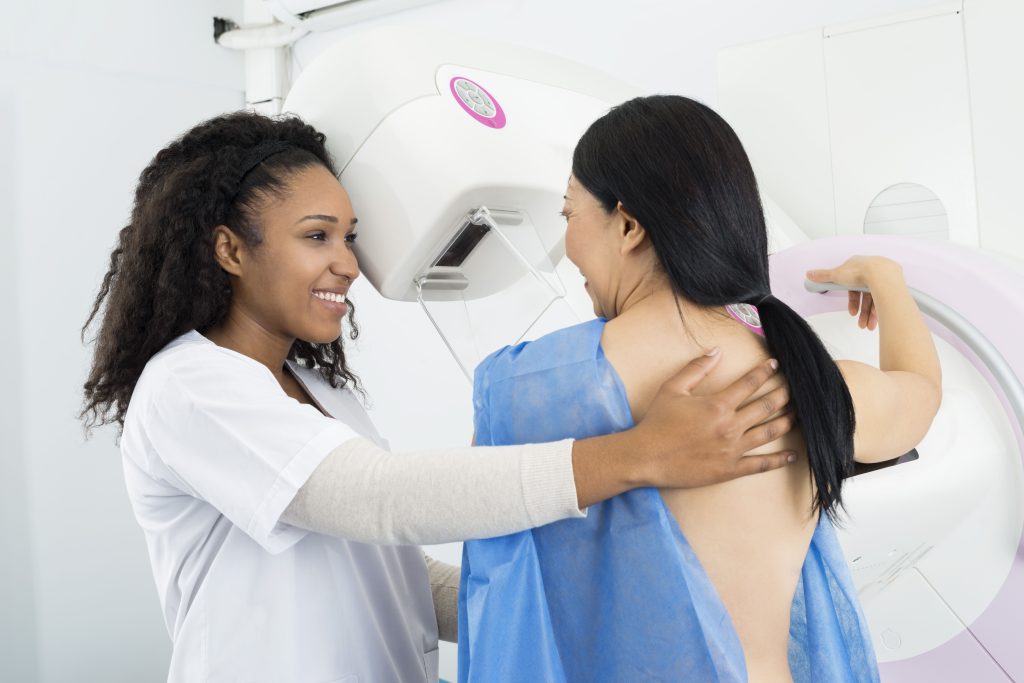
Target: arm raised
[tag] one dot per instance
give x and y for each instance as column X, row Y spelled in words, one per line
column 896, row 402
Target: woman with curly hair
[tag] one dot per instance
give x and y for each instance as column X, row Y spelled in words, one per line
column 278, row 527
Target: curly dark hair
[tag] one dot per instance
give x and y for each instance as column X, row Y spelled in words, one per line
column 163, row 280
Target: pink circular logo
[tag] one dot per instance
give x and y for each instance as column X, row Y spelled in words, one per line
column 477, row 102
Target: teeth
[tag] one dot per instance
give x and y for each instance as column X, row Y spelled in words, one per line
column 330, row 296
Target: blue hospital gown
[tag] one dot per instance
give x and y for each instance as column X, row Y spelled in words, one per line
column 618, row 595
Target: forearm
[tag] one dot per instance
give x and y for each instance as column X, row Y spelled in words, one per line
column 905, row 343
column 364, row 493
column 444, row 589
column 608, row 465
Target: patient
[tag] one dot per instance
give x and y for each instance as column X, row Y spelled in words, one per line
column 733, row 582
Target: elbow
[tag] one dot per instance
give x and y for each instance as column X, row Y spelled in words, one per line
column 936, row 379
column 927, row 398
column 929, row 402
column 387, row 530
column 933, row 397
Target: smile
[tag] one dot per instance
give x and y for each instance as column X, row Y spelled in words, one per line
column 336, row 302
column 329, row 296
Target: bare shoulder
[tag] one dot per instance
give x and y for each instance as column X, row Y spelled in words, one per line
column 645, row 352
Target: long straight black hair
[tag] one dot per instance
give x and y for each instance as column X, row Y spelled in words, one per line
column 681, row 170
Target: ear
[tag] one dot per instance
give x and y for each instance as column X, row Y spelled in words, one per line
column 226, row 250
column 632, row 233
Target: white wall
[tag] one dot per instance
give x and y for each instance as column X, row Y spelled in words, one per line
column 88, row 92
column 658, row 45
column 17, row 607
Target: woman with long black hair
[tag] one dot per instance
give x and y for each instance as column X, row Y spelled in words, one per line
column 256, row 475
column 737, row 581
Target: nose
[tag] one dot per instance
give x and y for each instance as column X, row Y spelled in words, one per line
column 345, row 263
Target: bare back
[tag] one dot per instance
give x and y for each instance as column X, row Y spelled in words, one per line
column 751, row 534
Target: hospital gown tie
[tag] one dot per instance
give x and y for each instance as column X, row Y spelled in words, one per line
column 619, row 595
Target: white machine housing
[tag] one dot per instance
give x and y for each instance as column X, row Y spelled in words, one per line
column 421, row 159
column 415, row 162
column 907, row 124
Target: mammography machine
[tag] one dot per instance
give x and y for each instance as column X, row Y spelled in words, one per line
column 901, row 136
column 456, row 151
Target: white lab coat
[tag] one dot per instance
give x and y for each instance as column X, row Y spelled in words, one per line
column 214, row 451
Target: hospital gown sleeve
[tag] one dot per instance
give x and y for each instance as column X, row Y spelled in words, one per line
column 227, row 434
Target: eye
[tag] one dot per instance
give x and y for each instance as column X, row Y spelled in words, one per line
column 563, row 214
column 319, row 235
column 351, row 237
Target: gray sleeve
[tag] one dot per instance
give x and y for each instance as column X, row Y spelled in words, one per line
column 362, row 492
column 444, row 589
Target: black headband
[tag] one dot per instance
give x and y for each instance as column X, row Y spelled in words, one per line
column 256, row 156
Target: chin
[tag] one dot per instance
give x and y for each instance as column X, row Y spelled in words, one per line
column 321, row 336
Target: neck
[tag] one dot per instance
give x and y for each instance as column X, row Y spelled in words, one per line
column 653, row 297
column 240, row 332
column 651, row 290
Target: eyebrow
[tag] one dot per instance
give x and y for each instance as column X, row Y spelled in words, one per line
column 324, row 217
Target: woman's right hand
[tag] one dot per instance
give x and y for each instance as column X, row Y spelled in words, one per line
column 685, row 441
column 704, row 438
column 863, row 272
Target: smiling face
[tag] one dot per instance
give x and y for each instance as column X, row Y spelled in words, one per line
column 294, row 282
column 594, row 243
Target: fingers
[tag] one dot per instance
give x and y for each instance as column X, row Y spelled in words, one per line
column 737, row 393
column 755, row 464
column 862, row 306
column 696, row 370
column 762, row 408
column 766, row 432
column 872, row 312
column 865, row 311
column 820, row 275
